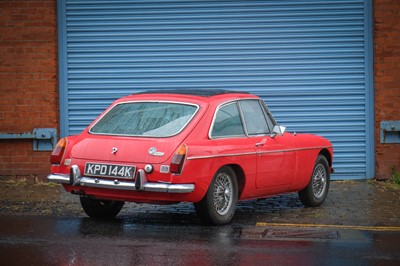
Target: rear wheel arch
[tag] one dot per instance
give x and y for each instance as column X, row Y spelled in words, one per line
column 240, row 176
column 237, row 168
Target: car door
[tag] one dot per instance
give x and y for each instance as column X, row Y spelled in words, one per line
column 276, row 158
column 276, row 162
column 230, row 141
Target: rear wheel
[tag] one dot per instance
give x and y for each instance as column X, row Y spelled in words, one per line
column 101, row 209
column 317, row 189
column 219, row 204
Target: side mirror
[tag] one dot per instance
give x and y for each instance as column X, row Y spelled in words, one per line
column 277, row 130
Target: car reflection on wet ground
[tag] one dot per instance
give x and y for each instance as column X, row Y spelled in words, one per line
column 38, row 240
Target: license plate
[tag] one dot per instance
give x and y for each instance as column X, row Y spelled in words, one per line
column 109, row 170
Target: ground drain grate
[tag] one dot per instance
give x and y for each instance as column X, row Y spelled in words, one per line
column 286, row 233
column 299, row 234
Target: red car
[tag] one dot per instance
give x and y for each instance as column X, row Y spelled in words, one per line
column 209, row 147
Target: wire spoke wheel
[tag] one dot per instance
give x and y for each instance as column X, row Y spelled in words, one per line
column 219, row 204
column 222, row 194
column 319, row 181
column 315, row 193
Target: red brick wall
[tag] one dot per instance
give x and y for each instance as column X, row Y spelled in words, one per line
column 28, row 82
column 29, row 93
column 387, row 80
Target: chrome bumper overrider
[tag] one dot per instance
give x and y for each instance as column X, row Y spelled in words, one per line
column 140, row 183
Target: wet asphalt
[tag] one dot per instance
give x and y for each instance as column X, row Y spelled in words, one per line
column 48, row 240
column 359, row 224
column 355, row 203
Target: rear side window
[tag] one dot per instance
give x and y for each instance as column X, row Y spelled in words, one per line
column 227, row 122
column 150, row 119
column 254, row 117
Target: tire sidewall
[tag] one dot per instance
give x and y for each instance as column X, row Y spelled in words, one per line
column 307, row 195
column 207, row 208
column 101, row 209
column 321, row 160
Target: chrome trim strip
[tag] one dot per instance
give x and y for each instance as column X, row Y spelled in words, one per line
column 122, row 185
column 254, row 153
column 297, row 149
column 220, row 155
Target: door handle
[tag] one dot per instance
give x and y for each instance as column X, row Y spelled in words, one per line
column 262, row 143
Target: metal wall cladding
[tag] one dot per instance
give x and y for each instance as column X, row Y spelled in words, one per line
column 311, row 61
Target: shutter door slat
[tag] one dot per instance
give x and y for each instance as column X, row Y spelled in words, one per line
column 306, row 59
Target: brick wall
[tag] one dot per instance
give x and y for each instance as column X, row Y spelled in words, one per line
column 28, row 82
column 29, row 93
column 387, row 80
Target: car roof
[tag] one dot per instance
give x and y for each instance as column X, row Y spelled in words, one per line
column 204, row 92
column 200, row 97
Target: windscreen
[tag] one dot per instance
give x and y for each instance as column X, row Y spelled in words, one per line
column 150, row 119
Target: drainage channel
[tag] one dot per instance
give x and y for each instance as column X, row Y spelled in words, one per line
column 275, row 233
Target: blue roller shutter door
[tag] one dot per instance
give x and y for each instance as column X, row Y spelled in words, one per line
column 311, row 61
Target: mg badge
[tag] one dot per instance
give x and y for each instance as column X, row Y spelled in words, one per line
column 114, row 150
column 153, row 151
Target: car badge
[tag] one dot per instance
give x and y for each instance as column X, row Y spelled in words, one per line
column 114, row 150
column 153, row 151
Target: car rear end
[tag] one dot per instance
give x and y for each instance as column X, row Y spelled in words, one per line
column 134, row 151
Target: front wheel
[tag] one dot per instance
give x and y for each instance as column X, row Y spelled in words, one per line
column 219, row 204
column 317, row 189
column 101, row 209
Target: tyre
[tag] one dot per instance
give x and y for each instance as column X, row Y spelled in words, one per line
column 101, row 209
column 219, row 204
column 315, row 193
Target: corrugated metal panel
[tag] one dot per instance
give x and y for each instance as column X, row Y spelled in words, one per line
column 307, row 59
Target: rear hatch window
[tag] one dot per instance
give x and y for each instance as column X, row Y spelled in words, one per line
column 147, row 119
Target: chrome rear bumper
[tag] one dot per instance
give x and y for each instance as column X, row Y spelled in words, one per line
column 140, row 183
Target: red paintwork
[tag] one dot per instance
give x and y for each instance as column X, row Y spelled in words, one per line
column 283, row 164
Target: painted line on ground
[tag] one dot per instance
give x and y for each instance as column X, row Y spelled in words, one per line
column 333, row 226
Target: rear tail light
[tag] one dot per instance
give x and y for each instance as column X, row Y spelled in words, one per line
column 178, row 160
column 58, row 152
